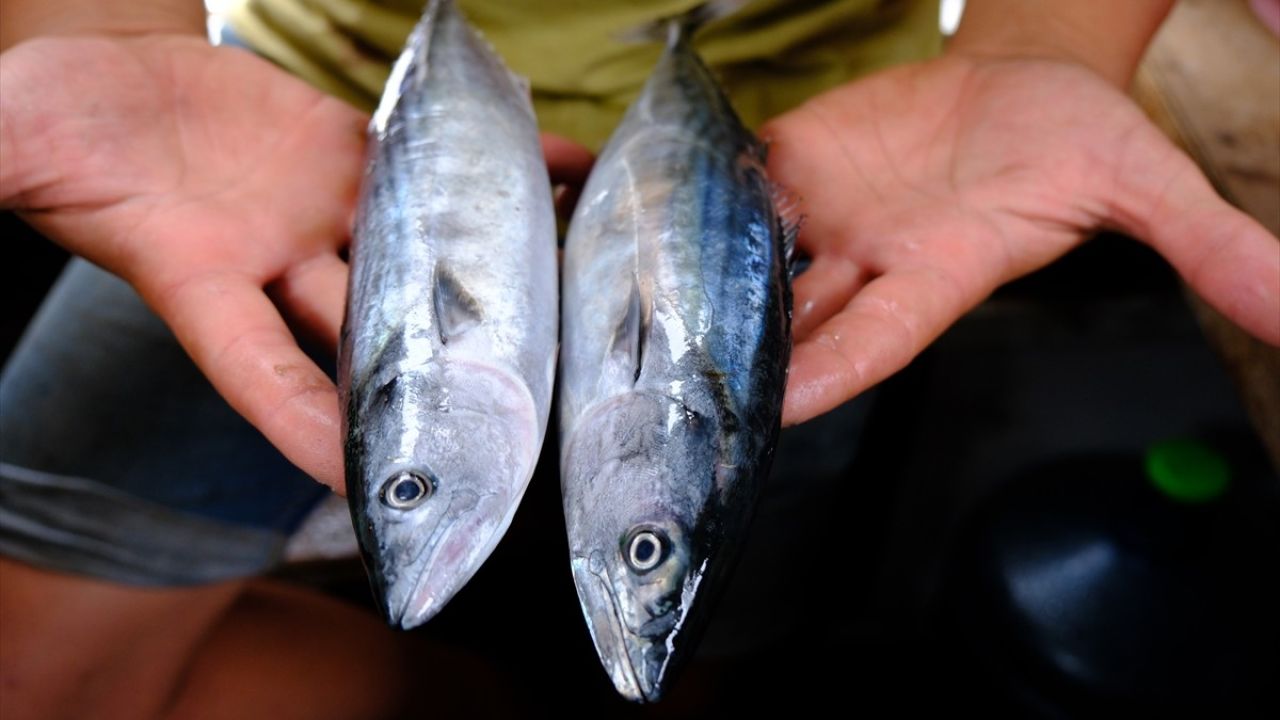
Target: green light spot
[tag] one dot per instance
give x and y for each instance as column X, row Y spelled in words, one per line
column 1187, row 471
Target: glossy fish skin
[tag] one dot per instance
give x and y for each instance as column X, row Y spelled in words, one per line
column 449, row 344
column 675, row 342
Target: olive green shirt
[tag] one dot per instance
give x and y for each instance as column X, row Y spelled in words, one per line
column 771, row 54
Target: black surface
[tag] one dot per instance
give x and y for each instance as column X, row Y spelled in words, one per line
column 32, row 265
column 1080, row 590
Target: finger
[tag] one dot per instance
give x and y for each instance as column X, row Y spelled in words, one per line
column 1227, row 257
column 568, row 163
column 881, row 329
column 565, row 198
column 238, row 340
column 313, row 295
column 822, row 290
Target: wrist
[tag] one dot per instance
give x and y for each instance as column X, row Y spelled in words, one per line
column 26, row 19
column 1108, row 38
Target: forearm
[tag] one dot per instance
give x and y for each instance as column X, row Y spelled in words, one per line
column 24, row 19
column 1107, row 36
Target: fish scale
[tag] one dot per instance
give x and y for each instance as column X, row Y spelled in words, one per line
column 449, row 343
column 675, row 324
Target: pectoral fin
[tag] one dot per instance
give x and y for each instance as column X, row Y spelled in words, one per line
column 457, row 311
column 630, row 336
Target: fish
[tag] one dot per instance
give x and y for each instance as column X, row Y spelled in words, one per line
column 448, row 347
column 675, row 342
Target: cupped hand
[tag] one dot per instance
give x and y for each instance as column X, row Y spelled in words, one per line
column 221, row 188
column 926, row 187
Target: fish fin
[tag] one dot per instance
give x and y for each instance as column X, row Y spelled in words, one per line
column 786, row 204
column 457, row 311
column 414, row 57
column 675, row 29
column 631, row 333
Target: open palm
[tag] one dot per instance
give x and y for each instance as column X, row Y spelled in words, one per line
column 216, row 184
column 928, row 186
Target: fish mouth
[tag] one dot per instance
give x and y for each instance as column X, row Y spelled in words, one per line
column 636, row 660
column 416, row 599
column 442, row 566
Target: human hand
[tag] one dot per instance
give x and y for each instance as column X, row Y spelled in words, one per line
column 926, row 187
column 221, row 188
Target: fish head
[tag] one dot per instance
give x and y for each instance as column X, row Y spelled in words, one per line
column 639, row 480
column 436, row 469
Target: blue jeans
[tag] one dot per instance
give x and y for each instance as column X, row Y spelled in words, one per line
column 119, row 461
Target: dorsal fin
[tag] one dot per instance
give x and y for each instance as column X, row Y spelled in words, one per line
column 413, row 58
column 632, row 332
column 457, row 311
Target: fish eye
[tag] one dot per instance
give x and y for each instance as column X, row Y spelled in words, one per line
column 646, row 550
column 406, row 490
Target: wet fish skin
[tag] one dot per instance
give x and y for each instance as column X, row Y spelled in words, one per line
column 676, row 338
column 449, row 344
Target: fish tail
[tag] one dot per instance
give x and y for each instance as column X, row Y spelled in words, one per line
column 679, row 28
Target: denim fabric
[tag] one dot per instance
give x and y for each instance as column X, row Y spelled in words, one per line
column 102, row 412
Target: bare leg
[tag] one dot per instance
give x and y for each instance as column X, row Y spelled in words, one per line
column 284, row 652
column 73, row 648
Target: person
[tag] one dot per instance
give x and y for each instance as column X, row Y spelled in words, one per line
column 220, row 189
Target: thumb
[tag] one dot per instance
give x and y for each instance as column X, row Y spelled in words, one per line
column 567, row 161
column 1227, row 257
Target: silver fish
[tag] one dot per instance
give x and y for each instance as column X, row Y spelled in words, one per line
column 675, row 324
column 449, row 344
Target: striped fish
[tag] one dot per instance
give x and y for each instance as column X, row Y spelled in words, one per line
column 449, row 344
column 675, row 323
